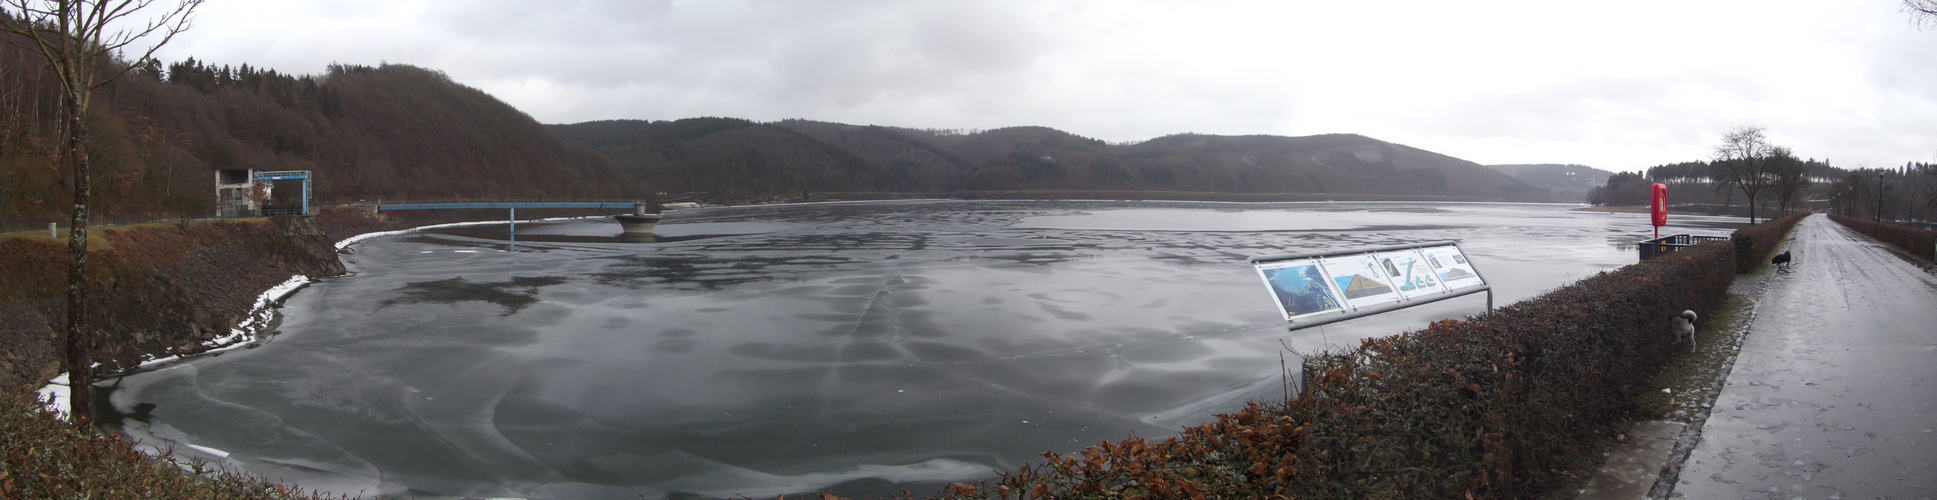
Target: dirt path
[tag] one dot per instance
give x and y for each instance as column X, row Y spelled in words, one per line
column 1834, row 394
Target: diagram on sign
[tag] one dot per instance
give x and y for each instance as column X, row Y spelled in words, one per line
column 1300, row 287
column 1361, row 279
column 1452, row 267
column 1409, row 270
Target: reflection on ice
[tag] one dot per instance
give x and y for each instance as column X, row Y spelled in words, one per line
column 864, row 348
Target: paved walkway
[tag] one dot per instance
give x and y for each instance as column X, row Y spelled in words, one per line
column 1834, row 394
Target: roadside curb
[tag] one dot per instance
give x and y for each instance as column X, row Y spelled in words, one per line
column 1635, row 466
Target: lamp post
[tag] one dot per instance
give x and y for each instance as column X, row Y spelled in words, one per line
column 1878, row 215
column 1849, row 200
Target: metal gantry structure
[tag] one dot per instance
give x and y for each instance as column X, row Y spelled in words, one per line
column 289, row 175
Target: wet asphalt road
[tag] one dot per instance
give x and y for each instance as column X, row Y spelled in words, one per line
column 1834, row 394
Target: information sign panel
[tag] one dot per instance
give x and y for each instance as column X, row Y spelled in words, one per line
column 1452, row 267
column 1361, row 279
column 1410, row 273
column 1319, row 288
column 1300, row 287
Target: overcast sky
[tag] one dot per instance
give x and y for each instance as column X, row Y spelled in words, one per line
column 1613, row 85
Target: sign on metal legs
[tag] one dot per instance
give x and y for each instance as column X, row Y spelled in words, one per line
column 1320, row 288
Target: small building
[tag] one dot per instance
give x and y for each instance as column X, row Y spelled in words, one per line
column 246, row 191
column 233, row 186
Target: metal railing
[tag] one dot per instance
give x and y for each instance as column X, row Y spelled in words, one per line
column 451, row 201
column 1663, row 245
column 39, row 224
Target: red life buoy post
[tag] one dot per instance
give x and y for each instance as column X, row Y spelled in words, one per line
column 1658, row 207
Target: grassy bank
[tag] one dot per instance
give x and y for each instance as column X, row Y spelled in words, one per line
column 154, row 290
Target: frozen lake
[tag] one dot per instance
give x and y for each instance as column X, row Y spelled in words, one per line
column 864, row 347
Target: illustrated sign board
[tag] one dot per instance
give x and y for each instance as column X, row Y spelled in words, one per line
column 1326, row 287
column 1300, row 288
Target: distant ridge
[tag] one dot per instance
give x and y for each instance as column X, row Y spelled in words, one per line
column 1568, row 182
column 730, row 158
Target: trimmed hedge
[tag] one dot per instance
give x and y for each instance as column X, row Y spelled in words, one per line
column 1916, row 241
column 1478, row 408
column 1753, row 244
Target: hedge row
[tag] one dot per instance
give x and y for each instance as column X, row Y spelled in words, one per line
column 1917, row 241
column 1478, row 408
column 1753, row 244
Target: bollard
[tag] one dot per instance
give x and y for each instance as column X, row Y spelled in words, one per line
column 52, row 228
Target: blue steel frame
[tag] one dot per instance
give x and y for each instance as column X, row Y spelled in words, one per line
column 289, row 175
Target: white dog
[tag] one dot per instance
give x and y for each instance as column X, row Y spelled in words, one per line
column 1685, row 329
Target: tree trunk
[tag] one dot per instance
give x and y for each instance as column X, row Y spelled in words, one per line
column 80, row 365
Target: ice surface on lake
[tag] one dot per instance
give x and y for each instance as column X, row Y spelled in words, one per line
column 765, row 350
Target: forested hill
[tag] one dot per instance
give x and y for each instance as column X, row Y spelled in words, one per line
column 390, row 132
column 733, row 158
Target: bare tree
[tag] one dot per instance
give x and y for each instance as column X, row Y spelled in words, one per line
column 1790, row 176
column 1923, row 13
column 1742, row 162
column 79, row 40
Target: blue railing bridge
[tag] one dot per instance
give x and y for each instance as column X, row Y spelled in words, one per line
column 513, row 206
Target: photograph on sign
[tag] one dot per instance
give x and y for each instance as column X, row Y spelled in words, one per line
column 1299, row 287
column 1360, row 279
column 1410, row 273
column 1452, row 267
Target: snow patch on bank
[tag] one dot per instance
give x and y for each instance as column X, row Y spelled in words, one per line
column 53, row 397
column 55, row 393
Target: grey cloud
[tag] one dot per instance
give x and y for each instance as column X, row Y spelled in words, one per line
column 780, row 57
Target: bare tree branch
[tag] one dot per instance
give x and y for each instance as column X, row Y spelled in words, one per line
column 73, row 38
column 1923, row 13
column 1742, row 161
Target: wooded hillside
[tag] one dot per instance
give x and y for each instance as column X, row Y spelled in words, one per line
column 390, row 131
column 731, row 158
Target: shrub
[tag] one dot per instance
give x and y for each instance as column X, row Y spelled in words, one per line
column 1753, row 244
column 1916, row 241
column 1476, row 408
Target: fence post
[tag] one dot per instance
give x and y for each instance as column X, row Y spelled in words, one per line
column 53, row 229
